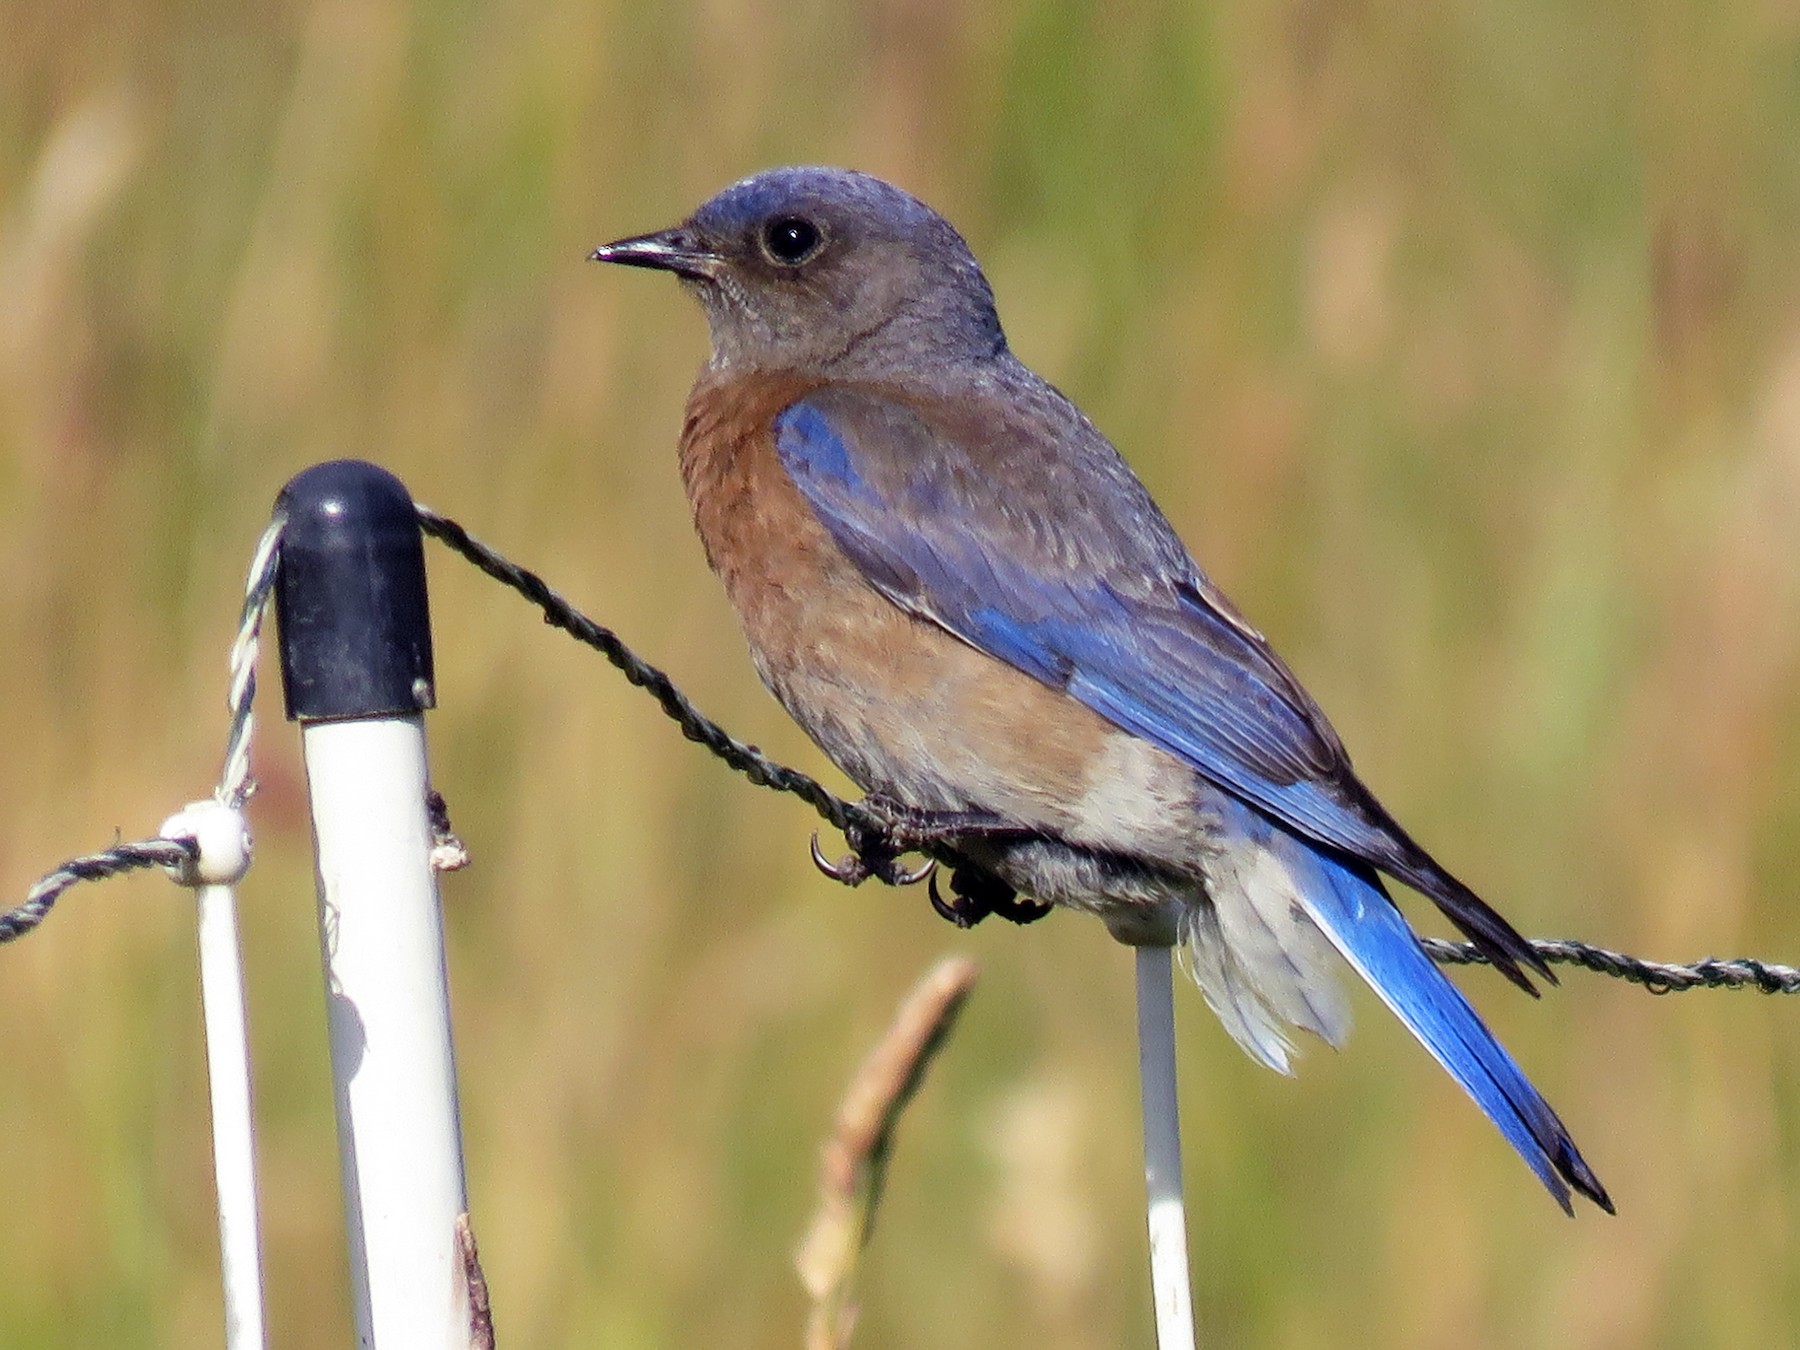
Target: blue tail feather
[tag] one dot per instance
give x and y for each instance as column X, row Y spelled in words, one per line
column 1348, row 903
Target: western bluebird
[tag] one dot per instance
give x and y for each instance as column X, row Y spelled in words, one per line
column 963, row 594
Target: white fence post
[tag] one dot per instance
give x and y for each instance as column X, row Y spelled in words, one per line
column 222, row 839
column 357, row 669
column 1169, row 1282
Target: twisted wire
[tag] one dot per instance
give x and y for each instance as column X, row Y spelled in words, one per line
column 694, row 724
column 235, row 785
column 1657, row 976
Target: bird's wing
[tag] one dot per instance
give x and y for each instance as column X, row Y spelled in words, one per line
column 1013, row 524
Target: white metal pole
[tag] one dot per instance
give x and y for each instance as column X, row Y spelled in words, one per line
column 388, row 1011
column 1169, row 1277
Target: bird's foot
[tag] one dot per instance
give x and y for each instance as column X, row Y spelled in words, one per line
column 975, row 894
column 876, row 847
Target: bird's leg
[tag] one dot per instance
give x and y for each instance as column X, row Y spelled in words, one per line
column 975, row 893
column 914, row 829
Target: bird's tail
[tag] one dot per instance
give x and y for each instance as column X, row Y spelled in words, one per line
column 1346, row 900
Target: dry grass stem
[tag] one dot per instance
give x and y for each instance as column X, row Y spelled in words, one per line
column 481, row 1313
column 855, row 1158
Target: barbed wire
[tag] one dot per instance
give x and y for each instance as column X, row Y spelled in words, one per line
column 236, row 785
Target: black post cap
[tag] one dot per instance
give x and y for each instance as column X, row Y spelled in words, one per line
column 350, row 595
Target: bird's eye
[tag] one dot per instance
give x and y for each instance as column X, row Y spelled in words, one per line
column 791, row 240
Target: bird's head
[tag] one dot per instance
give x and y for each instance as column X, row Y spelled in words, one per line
column 827, row 269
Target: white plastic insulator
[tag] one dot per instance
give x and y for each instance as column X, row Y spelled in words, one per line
column 223, row 837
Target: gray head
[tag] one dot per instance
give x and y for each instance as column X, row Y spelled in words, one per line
column 819, row 268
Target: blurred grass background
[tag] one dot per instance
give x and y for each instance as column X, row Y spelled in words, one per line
column 1462, row 341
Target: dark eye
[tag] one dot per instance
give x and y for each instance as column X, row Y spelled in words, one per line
column 791, row 239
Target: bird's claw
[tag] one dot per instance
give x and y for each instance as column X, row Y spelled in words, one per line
column 870, row 856
column 846, row 871
column 901, row 877
column 957, row 910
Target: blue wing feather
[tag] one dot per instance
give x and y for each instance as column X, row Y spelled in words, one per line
column 1033, row 541
column 1060, row 565
column 1165, row 666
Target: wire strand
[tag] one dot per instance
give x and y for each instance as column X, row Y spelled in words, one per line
column 236, row 785
column 695, row 725
column 1656, row 976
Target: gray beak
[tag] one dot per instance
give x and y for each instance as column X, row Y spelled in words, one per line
column 667, row 250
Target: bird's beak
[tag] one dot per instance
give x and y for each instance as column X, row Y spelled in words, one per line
column 673, row 250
